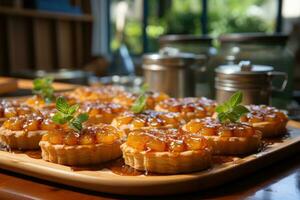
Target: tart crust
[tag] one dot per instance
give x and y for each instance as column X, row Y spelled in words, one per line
column 167, row 162
column 21, row 140
column 235, row 145
column 271, row 129
column 80, row 154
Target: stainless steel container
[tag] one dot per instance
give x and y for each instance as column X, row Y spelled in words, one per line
column 255, row 81
column 170, row 73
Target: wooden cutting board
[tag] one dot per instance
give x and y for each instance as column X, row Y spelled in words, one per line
column 103, row 179
column 8, row 85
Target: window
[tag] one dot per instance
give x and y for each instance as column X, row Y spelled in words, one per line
column 132, row 35
column 147, row 20
column 230, row 16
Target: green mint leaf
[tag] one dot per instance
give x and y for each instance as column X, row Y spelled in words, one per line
column 144, row 88
column 236, row 99
column 240, row 109
column 73, row 109
column 59, row 118
column 139, row 104
column 220, row 109
column 65, row 114
column 231, row 111
column 62, row 105
column 222, row 117
column 43, row 87
column 82, row 117
column 75, row 125
column 232, row 116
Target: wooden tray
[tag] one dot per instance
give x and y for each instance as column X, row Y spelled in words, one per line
column 104, row 180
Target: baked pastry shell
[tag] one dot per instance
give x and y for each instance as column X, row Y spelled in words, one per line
column 235, row 145
column 80, row 154
column 21, row 140
column 271, row 129
column 167, row 162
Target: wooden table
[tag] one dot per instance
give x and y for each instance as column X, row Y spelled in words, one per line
column 24, row 87
column 279, row 181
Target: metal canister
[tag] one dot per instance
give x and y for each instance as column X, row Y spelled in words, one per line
column 170, row 73
column 255, row 81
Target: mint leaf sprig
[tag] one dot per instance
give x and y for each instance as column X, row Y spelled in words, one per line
column 43, row 87
column 140, row 103
column 66, row 114
column 231, row 111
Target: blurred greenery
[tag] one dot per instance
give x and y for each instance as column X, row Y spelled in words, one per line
column 183, row 17
column 230, row 16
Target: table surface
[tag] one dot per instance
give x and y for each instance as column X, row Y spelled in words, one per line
column 25, row 87
column 278, row 181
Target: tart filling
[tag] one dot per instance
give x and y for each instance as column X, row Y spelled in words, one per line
column 189, row 107
column 13, row 110
column 269, row 120
column 99, row 94
column 37, row 101
column 92, row 145
column 167, row 151
column 101, row 112
column 127, row 99
column 129, row 121
column 227, row 138
column 23, row 132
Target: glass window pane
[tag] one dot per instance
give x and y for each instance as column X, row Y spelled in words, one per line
column 130, row 32
column 172, row 17
column 229, row 16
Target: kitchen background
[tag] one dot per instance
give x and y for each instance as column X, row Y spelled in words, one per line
column 92, row 41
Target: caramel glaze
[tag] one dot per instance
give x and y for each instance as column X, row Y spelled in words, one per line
column 202, row 107
column 165, row 139
column 30, row 122
column 127, row 99
column 103, row 94
column 267, row 142
column 116, row 166
column 101, row 112
column 150, row 118
column 8, row 110
column 262, row 113
column 212, row 127
column 101, row 133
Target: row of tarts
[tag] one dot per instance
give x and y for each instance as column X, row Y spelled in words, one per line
column 172, row 135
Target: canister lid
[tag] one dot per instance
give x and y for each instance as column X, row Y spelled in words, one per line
column 250, row 38
column 168, row 39
column 244, row 67
column 169, row 57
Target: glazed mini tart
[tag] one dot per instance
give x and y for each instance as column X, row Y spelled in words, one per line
column 166, row 151
column 101, row 112
column 93, row 145
column 23, row 132
column 190, row 108
column 38, row 102
column 99, row 94
column 8, row 110
column 128, row 121
column 269, row 120
column 127, row 99
column 227, row 138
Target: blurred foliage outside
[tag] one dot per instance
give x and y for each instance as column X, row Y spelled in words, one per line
column 183, row 17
